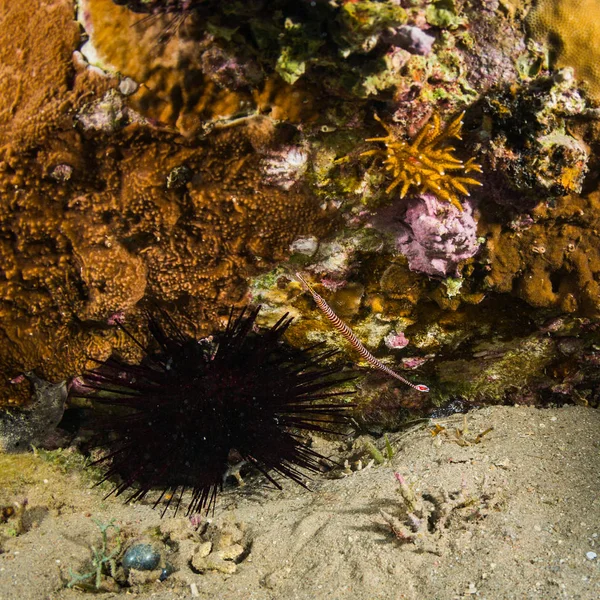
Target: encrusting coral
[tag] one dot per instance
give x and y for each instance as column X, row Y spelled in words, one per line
column 550, row 259
column 426, row 162
column 529, row 145
column 571, row 28
column 100, row 209
column 37, row 83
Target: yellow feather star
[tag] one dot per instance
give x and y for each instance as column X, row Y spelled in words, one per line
column 426, row 162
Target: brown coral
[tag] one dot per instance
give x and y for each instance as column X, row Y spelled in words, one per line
column 37, row 83
column 122, row 233
column 552, row 262
column 93, row 219
column 427, row 162
column 180, row 87
column 571, row 28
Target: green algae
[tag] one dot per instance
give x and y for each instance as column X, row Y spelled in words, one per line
column 17, row 471
column 445, row 14
column 496, row 368
column 364, row 19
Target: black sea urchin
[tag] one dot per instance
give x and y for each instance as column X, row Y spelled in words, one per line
column 189, row 404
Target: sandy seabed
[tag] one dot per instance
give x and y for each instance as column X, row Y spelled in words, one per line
column 513, row 514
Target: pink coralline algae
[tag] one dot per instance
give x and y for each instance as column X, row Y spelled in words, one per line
column 394, row 340
column 435, row 236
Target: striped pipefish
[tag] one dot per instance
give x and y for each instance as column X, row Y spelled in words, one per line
column 351, row 337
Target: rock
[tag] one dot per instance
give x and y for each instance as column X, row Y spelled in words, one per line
column 232, row 552
column 22, row 429
column 142, row 557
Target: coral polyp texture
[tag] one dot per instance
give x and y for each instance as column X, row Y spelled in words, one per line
column 571, row 29
column 550, row 260
column 38, row 81
column 100, row 208
column 427, row 162
column 190, row 407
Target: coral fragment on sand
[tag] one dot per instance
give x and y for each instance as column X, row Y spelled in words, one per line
column 426, row 517
column 427, row 162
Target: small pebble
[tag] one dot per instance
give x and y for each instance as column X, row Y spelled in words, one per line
column 168, row 569
column 590, row 555
column 128, row 86
column 142, row 557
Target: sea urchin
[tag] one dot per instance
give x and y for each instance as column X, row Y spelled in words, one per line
column 177, row 417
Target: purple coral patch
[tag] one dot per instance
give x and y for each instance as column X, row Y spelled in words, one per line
column 433, row 235
column 413, row 39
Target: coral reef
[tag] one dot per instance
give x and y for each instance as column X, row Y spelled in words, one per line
column 527, row 138
column 550, row 261
column 570, row 28
column 226, row 60
column 38, row 84
column 197, row 171
column 187, row 83
column 500, row 367
column 120, row 233
column 103, row 210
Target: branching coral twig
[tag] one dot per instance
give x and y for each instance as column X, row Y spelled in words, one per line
column 425, row 517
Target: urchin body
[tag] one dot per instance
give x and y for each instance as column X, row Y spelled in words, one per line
column 189, row 405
